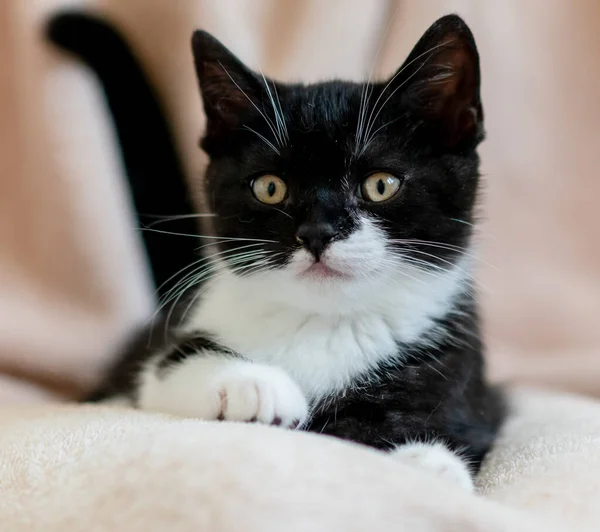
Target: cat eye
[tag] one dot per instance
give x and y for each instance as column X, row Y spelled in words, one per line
column 269, row 189
column 379, row 186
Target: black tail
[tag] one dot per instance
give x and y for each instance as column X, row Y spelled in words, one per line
column 156, row 179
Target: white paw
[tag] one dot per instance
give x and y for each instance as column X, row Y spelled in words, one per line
column 219, row 388
column 260, row 393
column 438, row 459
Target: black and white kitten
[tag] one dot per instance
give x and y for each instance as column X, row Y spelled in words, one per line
column 337, row 293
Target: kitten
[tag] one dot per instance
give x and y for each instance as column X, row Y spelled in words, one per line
column 336, row 295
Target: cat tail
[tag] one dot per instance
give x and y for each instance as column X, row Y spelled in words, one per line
column 157, row 182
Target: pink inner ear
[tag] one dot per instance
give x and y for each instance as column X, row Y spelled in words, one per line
column 220, row 91
column 446, row 89
column 449, row 77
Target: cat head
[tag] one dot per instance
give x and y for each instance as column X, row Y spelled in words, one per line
column 338, row 183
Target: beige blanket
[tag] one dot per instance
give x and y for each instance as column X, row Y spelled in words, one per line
column 69, row 469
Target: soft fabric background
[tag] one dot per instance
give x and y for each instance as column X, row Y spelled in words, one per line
column 87, row 469
column 72, row 276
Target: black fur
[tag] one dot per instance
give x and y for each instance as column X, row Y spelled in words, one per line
column 427, row 122
column 429, row 132
column 440, row 395
column 156, row 179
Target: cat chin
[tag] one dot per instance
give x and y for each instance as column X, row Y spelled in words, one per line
column 320, row 271
column 329, row 269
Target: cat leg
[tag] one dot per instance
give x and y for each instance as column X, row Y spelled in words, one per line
column 213, row 385
column 438, row 459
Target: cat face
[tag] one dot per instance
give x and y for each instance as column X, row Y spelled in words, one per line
column 336, row 182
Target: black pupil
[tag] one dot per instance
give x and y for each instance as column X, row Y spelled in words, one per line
column 271, row 189
column 380, row 186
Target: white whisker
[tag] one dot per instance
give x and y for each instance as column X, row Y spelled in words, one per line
column 367, row 90
column 164, row 219
column 224, row 239
column 202, row 269
column 267, row 119
column 477, row 228
column 373, row 135
column 441, row 245
column 373, row 119
column 423, row 266
column 257, row 266
column 283, row 212
column 278, row 113
column 264, row 139
column 234, row 254
column 283, row 122
column 204, row 274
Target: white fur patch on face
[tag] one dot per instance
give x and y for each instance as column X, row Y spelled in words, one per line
column 327, row 331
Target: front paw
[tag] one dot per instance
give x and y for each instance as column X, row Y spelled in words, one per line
column 222, row 388
column 437, row 459
column 249, row 392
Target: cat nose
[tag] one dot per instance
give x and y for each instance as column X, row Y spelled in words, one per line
column 315, row 237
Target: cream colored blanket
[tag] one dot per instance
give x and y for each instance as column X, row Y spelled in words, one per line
column 70, row 469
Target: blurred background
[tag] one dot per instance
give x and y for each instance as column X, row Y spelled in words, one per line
column 73, row 281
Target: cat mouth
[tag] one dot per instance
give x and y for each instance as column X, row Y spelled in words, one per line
column 319, row 270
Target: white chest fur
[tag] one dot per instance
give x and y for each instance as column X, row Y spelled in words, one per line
column 324, row 335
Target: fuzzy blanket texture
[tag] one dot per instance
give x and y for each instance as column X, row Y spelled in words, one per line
column 93, row 469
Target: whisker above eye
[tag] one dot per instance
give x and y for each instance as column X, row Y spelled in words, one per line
column 374, row 111
column 367, row 89
column 277, row 111
column 264, row 139
column 266, row 118
column 374, row 134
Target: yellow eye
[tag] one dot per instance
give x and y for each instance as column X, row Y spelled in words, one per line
column 379, row 186
column 269, row 189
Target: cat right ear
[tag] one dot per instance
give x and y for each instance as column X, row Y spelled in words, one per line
column 441, row 82
column 229, row 89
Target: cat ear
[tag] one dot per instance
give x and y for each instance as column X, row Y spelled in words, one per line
column 442, row 83
column 229, row 89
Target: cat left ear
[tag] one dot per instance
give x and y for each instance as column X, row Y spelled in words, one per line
column 442, row 83
column 230, row 90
